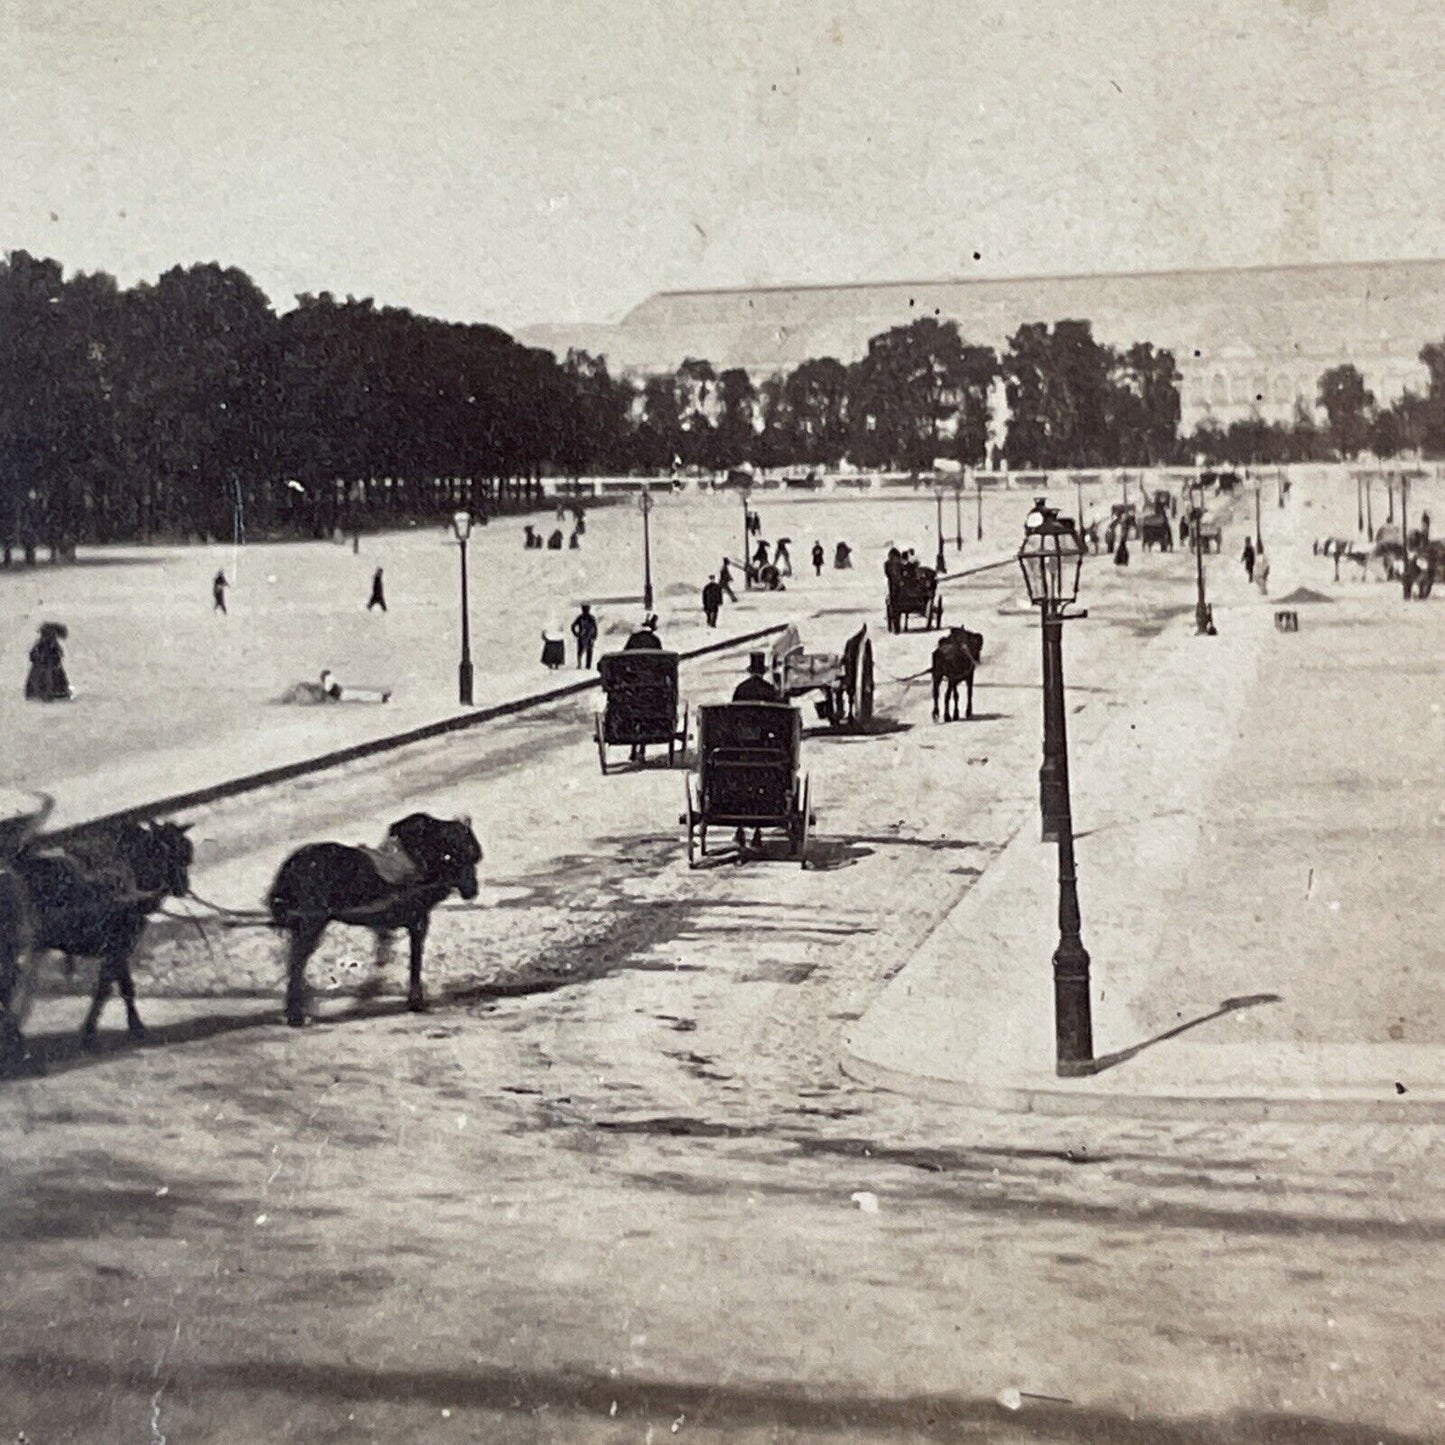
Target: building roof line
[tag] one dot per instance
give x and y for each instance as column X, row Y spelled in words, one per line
column 1034, row 279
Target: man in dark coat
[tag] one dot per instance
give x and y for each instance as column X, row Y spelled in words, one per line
column 378, row 592
column 725, row 581
column 584, row 629
column 645, row 639
column 756, row 686
column 712, row 598
column 218, row 592
column 819, row 556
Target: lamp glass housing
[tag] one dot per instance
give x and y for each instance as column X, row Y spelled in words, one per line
column 462, row 525
column 1051, row 557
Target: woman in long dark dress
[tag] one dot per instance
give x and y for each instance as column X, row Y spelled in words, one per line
column 47, row 681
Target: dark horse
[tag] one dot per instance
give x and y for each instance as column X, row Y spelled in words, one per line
column 954, row 661
column 90, row 897
column 396, row 886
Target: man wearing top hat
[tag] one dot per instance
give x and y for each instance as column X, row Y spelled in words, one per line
column 756, row 686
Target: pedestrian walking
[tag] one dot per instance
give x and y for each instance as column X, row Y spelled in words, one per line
column 782, row 558
column 218, row 592
column 1121, row 557
column 819, row 556
column 712, row 597
column 1248, row 558
column 378, row 592
column 584, row 629
column 725, row 581
column 46, row 680
column 1261, row 572
column 760, row 556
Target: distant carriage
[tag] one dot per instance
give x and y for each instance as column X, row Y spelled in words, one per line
column 748, row 778
column 1155, row 531
column 642, row 704
column 845, row 679
column 1208, row 530
column 913, row 592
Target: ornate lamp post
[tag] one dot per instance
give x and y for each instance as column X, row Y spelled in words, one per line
column 646, row 504
column 1051, row 557
column 1202, row 621
column 978, row 497
column 1369, row 512
column 462, row 526
column 1359, row 503
column 747, row 549
column 939, row 561
column 958, row 516
column 1258, row 540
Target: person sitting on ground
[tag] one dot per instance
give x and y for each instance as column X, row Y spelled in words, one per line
column 771, row 578
column 645, row 639
column 335, row 692
column 842, row 557
column 554, row 542
column 757, row 686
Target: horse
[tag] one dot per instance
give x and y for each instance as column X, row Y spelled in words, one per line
column 954, row 661
column 423, row 860
column 91, row 898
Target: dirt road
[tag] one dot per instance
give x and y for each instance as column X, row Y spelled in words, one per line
column 613, row 1187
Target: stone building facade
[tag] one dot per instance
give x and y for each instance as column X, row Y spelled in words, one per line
column 1247, row 340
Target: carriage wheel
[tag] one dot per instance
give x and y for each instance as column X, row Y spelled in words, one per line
column 863, row 708
column 692, row 824
column 601, row 745
column 803, row 822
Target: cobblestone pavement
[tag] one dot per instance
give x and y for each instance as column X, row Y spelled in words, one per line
column 614, row 1188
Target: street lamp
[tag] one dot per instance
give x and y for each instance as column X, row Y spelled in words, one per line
column 1051, row 557
column 1369, row 513
column 939, row 563
column 462, row 526
column 1258, row 540
column 1203, row 623
column 747, row 549
column 958, row 515
column 646, row 504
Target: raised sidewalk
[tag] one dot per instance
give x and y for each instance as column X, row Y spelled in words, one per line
column 1245, row 961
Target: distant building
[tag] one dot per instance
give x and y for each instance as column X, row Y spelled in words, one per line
column 1246, row 340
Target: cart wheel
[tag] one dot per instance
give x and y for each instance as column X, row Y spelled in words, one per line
column 803, row 822
column 601, row 745
column 692, row 821
column 864, row 709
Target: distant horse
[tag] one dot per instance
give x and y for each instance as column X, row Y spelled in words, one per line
column 397, row 886
column 91, row 898
column 954, row 661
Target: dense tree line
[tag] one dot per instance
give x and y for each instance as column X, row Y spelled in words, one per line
column 188, row 406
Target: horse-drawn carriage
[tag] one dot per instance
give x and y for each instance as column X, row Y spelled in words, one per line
column 844, row 679
column 748, row 778
column 642, row 704
column 913, row 592
column 1156, row 531
column 1208, row 529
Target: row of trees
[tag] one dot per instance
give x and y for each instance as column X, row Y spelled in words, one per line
column 922, row 392
column 188, row 406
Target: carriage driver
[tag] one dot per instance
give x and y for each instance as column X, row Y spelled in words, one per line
column 756, row 686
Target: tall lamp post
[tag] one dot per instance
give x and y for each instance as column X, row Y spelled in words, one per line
column 1202, row 621
column 1359, row 503
column 1052, row 556
column 958, row 516
column 939, row 562
column 646, row 504
column 1258, row 540
column 462, row 526
column 1369, row 512
column 747, row 549
column 978, row 498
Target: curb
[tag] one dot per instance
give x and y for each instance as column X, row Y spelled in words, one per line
column 1062, row 1101
column 269, row 777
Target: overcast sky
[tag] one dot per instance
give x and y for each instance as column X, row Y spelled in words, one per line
column 530, row 160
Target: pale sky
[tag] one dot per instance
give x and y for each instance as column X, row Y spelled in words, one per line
column 533, row 160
